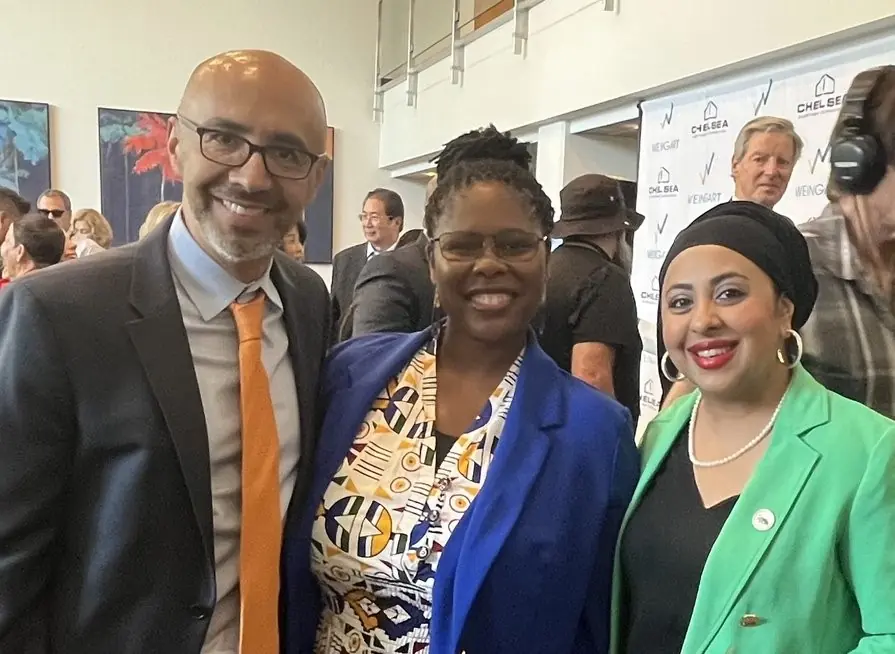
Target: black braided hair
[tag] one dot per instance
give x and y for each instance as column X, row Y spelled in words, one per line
column 486, row 155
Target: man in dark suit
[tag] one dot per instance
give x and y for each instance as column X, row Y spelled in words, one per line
column 382, row 219
column 394, row 293
column 124, row 421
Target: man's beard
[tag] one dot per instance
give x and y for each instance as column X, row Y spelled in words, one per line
column 234, row 248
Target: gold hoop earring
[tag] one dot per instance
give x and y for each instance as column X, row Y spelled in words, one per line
column 781, row 351
column 663, row 366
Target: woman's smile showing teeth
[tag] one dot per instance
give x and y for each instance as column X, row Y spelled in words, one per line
column 490, row 301
column 711, row 355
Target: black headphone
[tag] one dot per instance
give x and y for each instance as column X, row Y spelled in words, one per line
column 857, row 158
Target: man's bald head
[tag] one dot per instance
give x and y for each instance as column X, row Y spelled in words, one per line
column 247, row 71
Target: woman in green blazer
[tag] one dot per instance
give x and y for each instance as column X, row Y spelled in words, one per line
column 764, row 519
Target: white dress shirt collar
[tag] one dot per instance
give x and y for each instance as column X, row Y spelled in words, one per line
column 371, row 251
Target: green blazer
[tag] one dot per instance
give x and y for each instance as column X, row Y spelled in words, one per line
column 818, row 577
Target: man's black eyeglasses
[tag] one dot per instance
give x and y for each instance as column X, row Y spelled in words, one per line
column 511, row 245
column 56, row 214
column 229, row 149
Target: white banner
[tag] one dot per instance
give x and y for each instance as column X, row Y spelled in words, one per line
column 650, row 392
column 685, row 158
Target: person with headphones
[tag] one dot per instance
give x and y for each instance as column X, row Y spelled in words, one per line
column 850, row 338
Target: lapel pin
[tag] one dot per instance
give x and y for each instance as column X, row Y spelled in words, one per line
column 750, row 620
column 763, row 520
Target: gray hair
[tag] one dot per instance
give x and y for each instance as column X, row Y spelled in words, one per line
column 765, row 125
column 56, row 193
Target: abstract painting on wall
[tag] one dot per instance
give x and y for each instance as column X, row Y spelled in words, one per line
column 135, row 170
column 319, row 215
column 25, row 147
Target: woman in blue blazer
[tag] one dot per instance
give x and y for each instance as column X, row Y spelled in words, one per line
column 467, row 493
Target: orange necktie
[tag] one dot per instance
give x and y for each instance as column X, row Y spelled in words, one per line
column 262, row 530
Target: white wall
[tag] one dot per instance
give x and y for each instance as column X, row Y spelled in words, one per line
column 80, row 55
column 563, row 156
column 432, row 24
column 433, row 21
column 595, row 153
column 580, row 57
column 393, row 37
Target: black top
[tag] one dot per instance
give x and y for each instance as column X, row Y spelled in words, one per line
column 589, row 300
column 663, row 552
column 443, row 445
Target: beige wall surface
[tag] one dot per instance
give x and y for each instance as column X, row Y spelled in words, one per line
column 78, row 56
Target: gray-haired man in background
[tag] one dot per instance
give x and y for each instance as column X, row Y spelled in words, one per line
column 764, row 155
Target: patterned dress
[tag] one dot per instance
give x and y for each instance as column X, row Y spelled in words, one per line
column 389, row 511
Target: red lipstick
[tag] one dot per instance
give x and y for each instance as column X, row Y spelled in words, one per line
column 713, row 354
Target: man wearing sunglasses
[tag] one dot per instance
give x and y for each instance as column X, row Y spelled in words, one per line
column 55, row 204
column 157, row 401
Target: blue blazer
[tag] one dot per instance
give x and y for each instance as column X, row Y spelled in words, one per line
column 529, row 566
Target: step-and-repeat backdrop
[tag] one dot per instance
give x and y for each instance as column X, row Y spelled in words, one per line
column 686, row 147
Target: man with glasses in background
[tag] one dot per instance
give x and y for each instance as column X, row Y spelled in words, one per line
column 382, row 219
column 56, row 204
column 394, row 292
column 158, row 401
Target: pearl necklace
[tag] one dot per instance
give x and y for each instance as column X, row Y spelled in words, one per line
column 691, row 450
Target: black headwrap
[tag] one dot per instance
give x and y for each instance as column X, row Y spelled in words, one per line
column 770, row 241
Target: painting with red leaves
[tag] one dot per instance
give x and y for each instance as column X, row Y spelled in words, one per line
column 135, row 171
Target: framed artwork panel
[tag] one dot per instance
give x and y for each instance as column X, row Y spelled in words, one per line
column 134, row 168
column 319, row 215
column 25, row 147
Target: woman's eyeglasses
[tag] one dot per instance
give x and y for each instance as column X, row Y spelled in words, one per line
column 510, row 245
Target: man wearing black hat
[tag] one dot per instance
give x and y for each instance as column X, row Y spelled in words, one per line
column 590, row 318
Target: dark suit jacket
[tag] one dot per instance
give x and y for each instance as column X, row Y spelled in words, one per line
column 394, row 292
column 106, row 538
column 347, row 265
column 543, row 527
